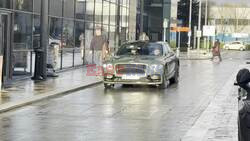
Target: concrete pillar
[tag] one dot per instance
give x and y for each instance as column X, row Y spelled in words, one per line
column 44, row 41
column 41, row 53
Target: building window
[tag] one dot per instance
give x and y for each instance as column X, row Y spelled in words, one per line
column 55, row 7
column 105, row 29
column 69, row 8
column 98, row 11
column 68, row 33
column 37, row 6
column 105, row 12
column 24, row 5
column 55, row 28
column 36, row 32
column 55, row 32
column 124, row 17
column 68, row 39
column 88, row 37
column 114, row 1
column 113, row 14
column 22, row 31
column 124, row 2
column 79, row 33
column 5, row 3
column 112, row 39
column 79, row 42
column 90, row 10
column 22, row 45
column 80, row 9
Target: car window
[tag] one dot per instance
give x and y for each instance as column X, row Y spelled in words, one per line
column 141, row 48
column 236, row 43
column 168, row 48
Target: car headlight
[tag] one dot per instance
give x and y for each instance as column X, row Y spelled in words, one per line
column 156, row 67
column 108, row 66
column 104, row 65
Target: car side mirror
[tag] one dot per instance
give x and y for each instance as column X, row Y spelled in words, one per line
column 170, row 54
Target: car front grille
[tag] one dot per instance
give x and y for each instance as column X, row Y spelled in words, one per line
column 131, row 69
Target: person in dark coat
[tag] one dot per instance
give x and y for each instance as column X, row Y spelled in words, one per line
column 216, row 50
column 243, row 79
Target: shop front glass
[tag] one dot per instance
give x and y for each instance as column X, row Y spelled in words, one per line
column 22, row 46
column 71, row 25
column 55, row 36
column 79, row 52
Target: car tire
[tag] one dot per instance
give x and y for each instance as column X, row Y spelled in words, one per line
column 241, row 49
column 127, row 85
column 175, row 79
column 108, row 86
column 165, row 82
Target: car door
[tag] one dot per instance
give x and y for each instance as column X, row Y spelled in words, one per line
column 235, row 45
column 170, row 58
column 232, row 45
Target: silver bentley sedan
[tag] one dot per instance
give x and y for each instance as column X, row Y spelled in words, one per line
column 142, row 63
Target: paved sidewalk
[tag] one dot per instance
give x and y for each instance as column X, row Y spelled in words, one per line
column 219, row 121
column 28, row 91
column 195, row 55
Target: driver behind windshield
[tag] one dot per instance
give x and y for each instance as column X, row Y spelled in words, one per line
column 156, row 51
column 152, row 49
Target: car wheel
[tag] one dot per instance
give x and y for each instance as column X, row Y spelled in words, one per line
column 241, row 49
column 175, row 79
column 227, row 48
column 165, row 82
column 108, row 86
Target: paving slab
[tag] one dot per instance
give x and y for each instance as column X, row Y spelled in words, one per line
column 219, row 120
column 28, row 91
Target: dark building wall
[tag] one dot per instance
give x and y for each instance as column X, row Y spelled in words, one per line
column 152, row 19
column 155, row 22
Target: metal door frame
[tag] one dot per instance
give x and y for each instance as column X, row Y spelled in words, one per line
column 7, row 43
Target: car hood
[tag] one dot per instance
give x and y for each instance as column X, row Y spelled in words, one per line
column 136, row 59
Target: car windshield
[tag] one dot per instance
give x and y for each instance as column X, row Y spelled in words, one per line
column 141, row 48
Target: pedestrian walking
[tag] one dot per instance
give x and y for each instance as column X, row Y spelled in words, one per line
column 243, row 79
column 98, row 47
column 216, row 50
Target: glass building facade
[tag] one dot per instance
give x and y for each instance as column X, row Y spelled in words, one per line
column 71, row 23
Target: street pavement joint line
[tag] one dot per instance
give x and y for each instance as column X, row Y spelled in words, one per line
column 205, row 121
column 209, row 99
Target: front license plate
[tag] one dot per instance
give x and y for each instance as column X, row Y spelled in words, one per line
column 131, row 77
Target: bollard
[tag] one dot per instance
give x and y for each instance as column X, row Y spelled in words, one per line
column 188, row 52
column 178, row 52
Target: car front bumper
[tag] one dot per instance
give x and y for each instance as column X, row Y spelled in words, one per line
column 141, row 81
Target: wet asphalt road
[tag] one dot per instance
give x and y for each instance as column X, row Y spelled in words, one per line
column 124, row 113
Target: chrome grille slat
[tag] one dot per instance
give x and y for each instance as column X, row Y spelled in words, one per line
column 131, row 69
